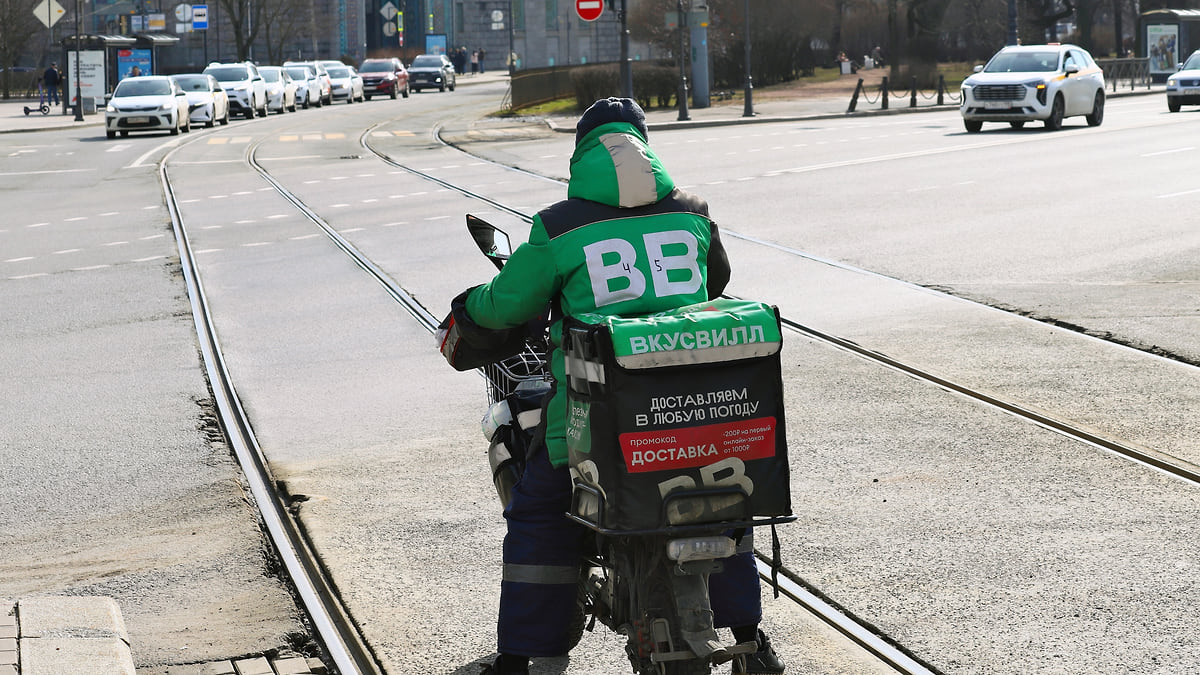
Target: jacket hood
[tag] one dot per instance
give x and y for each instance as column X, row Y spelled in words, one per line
column 613, row 165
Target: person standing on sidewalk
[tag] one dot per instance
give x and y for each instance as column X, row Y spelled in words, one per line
column 52, row 82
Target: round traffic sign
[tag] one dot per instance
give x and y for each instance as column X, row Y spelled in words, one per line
column 589, row 10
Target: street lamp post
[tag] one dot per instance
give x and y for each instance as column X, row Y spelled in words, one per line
column 626, row 65
column 1012, row 23
column 683, row 88
column 748, row 110
column 512, row 51
column 78, row 84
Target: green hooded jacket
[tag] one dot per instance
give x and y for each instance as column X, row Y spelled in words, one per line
column 625, row 242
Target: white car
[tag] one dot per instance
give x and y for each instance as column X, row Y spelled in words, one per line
column 244, row 85
column 326, row 95
column 146, row 103
column 1183, row 87
column 281, row 90
column 207, row 101
column 347, row 84
column 308, row 85
column 1045, row 83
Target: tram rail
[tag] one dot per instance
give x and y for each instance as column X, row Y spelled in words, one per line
column 334, row 625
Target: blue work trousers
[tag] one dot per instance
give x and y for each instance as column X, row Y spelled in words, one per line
column 541, row 568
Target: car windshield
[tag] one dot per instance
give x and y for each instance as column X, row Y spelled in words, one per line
column 375, row 67
column 427, row 62
column 1193, row 62
column 193, row 82
column 338, row 72
column 298, row 73
column 229, row 74
column 270, row 75
column 142, row 88
column 1023, row 62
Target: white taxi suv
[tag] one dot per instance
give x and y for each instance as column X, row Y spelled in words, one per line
column 1028, row 83
column 1183, row 87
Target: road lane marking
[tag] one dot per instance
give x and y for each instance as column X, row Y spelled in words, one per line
column 137, row 163
column 1178, row 194
column 39, row 173
column 1168, row 152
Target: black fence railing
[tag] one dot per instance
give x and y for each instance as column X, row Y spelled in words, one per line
column 1134, row 72
column 938, row 96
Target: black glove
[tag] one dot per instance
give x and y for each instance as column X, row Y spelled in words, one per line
column 466, row 345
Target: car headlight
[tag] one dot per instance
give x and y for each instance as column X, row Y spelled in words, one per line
column 111, row 108
column 1039, row 88
column 240, row 87
column 1171, row 81
column 169, row 105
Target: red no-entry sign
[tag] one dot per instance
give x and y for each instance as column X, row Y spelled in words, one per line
column 589, row 10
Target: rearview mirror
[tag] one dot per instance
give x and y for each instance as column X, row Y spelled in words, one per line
column 494, row 243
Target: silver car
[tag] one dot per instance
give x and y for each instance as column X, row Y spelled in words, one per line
column 308, row 85
column 281, row 90
column 207, row 101
column 347, row 84
column 1183, row 87
column 146, row 103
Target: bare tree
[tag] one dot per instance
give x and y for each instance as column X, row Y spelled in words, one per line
column 283, row 21
column 245, row 17
column 17, row 26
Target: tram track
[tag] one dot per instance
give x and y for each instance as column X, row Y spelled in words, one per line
column 792, row 585
column 332, row 622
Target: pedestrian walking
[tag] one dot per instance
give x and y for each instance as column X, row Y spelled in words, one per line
column 475, row 62
column 482, row 53
column 51, row 82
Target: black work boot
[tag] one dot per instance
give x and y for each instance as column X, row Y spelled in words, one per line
column 764, row 661
column 507, row 664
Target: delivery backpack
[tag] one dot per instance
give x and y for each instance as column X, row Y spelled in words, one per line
column 676, row 419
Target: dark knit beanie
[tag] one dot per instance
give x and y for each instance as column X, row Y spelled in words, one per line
column 609, row 110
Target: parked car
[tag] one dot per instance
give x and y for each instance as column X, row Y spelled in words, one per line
column 1183, row 87
column 384, row 77
column 281, row 90
column 244, row 85
column 431, row 71
column 308, row 85
column 1034, row 82
column 326, row 81
column 146, row 103
column 347, row 84
column 207, row 101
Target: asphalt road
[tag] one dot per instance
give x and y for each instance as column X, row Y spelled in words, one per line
column 982, row 543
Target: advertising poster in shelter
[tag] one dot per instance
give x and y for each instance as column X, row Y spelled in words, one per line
column 128, row 59
column 91, row 75
column 1162, row 46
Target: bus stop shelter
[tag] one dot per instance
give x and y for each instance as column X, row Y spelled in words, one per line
column 105, row 60
column 95, row 69
column 1167, row 37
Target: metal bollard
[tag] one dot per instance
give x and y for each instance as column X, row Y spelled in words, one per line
column 883, row 93
column 941, row 88
column 854, row 98
column 912, row 100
